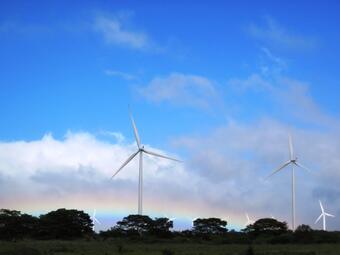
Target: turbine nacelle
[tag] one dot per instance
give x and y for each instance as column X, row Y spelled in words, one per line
column 294, row 160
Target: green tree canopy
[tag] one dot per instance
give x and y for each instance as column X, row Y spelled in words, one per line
column 214, row 226
column 65, row 224
column 135, row 224
column 267, row 226
column 14, row 225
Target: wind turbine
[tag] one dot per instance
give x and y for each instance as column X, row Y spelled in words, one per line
column 323, row 215
column 140, row 151
column 249, row 221
column 94, row 219
column 293, row 162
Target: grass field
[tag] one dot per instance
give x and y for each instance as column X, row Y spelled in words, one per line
column 136, row 248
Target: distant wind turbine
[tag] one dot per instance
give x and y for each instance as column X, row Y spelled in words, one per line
column 170, row 219
column 293, row 162
column 94, row 219
column 249, row 221
column 192, row 221
column 323, row 216
column 140, row 151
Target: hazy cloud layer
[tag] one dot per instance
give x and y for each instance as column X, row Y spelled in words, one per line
column 181, row 89
column 274, row 33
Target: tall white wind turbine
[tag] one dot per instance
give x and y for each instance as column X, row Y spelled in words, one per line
column 94, row 219
column 140, row 151
column 323, row 216
column 293, row 162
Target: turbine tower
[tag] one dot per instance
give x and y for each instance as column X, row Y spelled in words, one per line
column 94, row 219
column 140, row 151
column 323, row 215
column 293, row 162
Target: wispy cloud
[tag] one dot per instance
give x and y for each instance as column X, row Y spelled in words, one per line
column 115, row 30
column 123, row 75
column 253, row 82
column 273, row 32
column 181, row 89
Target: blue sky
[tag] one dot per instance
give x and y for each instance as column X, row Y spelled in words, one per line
column 190, row 72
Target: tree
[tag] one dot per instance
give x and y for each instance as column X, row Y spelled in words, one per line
column 266, row 226
column 303, row 229
column 304, row 234
column 134, row 224
column 14, row 225
column 161, row 227
column 65, row 224
column 9, row 224
column 210, row 226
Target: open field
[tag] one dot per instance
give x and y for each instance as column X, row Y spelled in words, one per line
column 137, row 248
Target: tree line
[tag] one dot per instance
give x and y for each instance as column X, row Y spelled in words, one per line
column 75, row 224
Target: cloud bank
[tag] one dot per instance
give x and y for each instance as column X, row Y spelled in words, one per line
column 223, row 174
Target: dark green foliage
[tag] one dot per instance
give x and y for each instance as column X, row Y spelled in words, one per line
column 303, row 229
column 134, row 224
column 304, row 234
column 210, row 226
column 119, row 248
column 138, row 225
column 65, row 224
column 161, row 227
column 71, row 224
column 167, row 252
column 234, row 237
column 266, row 226
column 14, row 225
column 250, row 251
column 21, row 251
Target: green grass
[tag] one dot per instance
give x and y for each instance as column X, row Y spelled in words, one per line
column 161, row 248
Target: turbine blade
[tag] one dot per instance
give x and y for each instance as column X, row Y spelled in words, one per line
column 302, row 166
column 330, row 215
column 97, row 221
column 135, row 131
column 318, row 218
column 280, row 168
column 322, row 210
column 161, row 156
column 125, row 163
column 291, row 152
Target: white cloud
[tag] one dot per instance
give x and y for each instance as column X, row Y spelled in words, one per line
column 115, row 31
column 181, row 89
column 223, row 174
column 237, row 157
column 272, row 32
